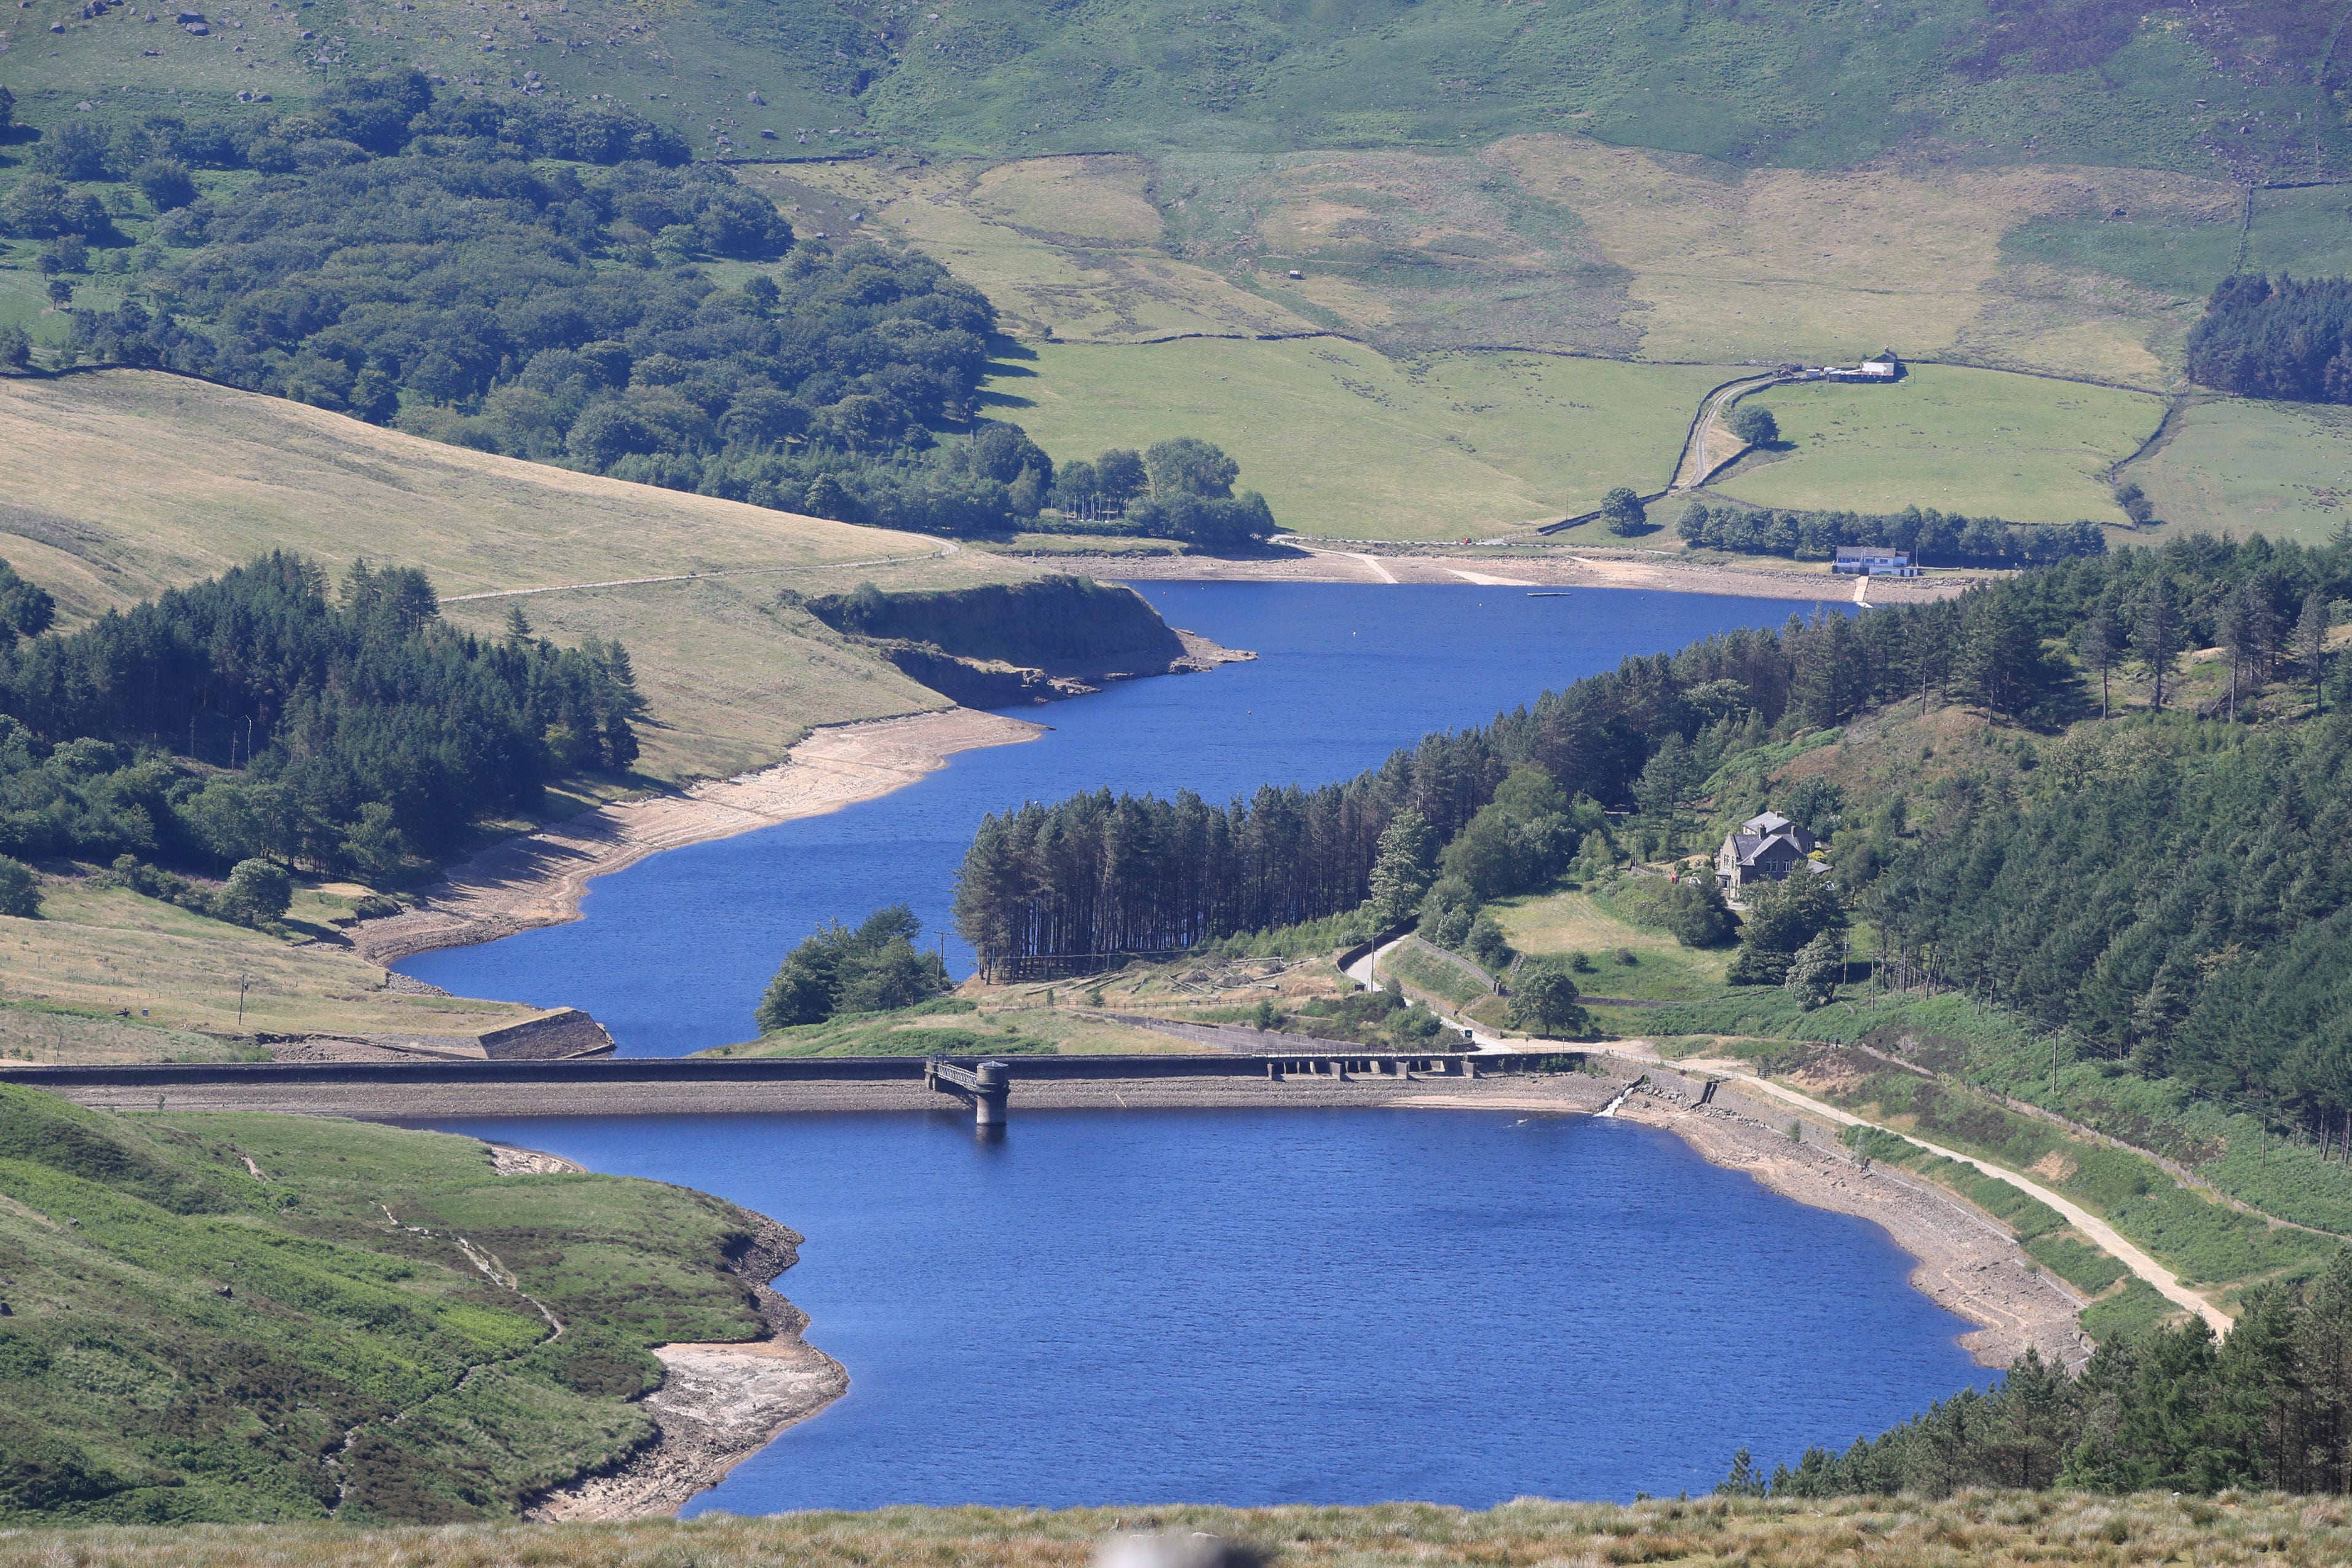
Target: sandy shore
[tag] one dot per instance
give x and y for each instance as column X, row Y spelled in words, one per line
column 1534, row 568
column 718, row 1404
column 537, row 880
column 1967, row 1263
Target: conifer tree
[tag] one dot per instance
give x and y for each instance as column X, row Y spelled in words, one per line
column 2311, row 645
column 2157, row 636
column 1813, row 973
column 1406, row 866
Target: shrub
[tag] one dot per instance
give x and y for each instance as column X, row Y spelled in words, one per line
column 1546, row 1002
column 872, row 969
column 166, row 182
column 259, row 892
column 1620, row 508
column 20, row 890
column 1753, row 422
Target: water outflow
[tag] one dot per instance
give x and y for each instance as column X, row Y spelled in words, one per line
column 1623, row 1096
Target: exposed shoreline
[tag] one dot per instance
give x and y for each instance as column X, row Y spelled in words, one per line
column 536, row 878
column 1966, row 1262
column 1537, row 568
column 718, row 1404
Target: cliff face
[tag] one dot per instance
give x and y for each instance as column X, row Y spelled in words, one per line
column 1025, row 642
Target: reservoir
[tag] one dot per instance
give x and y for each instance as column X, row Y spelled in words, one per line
column 1244, row 1307
column 671, row 955
column 1269, row 1306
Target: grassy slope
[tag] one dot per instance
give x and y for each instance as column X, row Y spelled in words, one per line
column 700, row 60
column 1778, row 81
column 1971, row 441
column 126, row 482
column 1006, row 1023
column 190, row 1343
column 1559, row 924
column 2206, row 1241
column 1978, row 1531
column 1448, row 175
column 1347, row 444
column 114, row 950
column 2238, row 465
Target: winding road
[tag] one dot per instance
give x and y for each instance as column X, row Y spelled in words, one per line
column 1696, row 462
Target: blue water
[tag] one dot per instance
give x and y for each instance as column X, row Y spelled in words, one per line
column 672, row 954
column 1285, row 1306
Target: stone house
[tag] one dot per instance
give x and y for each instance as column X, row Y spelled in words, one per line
column 1763, row 849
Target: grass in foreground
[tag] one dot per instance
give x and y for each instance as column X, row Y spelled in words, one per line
column 228, row 1318
column 1997, row 1530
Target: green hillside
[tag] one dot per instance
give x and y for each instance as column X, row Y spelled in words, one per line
column 224, row 1318
column 1802, row 83
column 2043, row 186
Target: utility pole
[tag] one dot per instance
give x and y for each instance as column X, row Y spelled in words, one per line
column 243, row 982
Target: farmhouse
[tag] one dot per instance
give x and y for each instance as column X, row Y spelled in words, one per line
column 1763, row 849
column 1872, row 560
column 1886, row 367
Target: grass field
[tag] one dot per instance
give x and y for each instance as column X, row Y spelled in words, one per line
column 1972, row 441
column 126, row 482
column 1429, row 973
column 43, row 1032
column 114, row 951
column 203, row 1307
column 1980, row 1530
column 1555, row 925
column 1073, row 246
column 1011, row 1021
column 1567, row 243
column 2240, row 467
column 688, row 66
column 1347, row 444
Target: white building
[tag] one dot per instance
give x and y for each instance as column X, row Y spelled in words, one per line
column 1872, row 560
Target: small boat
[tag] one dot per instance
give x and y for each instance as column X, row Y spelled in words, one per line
column 1552, row 593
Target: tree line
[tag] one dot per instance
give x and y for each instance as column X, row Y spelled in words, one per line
column 1104, row 874
column 2269, row 1409
column 254, row 715
column 2288, row 339
column 1932, row 538
column 553, row 301
column 2177, row 891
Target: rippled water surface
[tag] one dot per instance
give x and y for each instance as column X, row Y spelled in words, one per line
column 1265, row 1307
column 672, row 954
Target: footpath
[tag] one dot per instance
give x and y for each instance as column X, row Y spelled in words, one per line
column 1365, row 971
